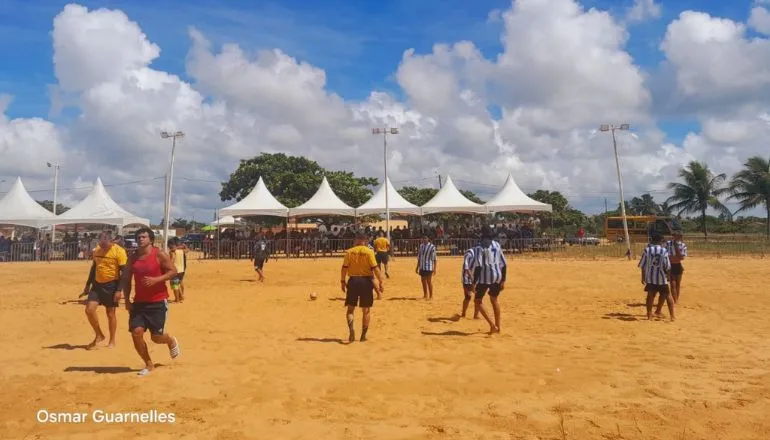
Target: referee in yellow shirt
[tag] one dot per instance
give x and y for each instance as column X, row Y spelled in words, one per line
column 382, row 252
column 360, row 265
column 103, row 286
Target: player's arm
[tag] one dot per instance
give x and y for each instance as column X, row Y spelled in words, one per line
column 376, row 271
column 344, row 272
column 90, row 280
column 125, row 283
column 169, row 270
column 503, row 269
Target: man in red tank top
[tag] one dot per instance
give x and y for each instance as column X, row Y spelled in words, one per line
column 150, row 269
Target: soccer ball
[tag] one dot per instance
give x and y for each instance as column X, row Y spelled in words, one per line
column 313, row 296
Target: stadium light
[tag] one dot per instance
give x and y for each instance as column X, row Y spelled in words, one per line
column 169, row 178
column 384, row 132
column 612, row 129
column 55, row 167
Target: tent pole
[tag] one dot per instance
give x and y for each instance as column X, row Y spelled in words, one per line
column 287, row 236
column 219, row 248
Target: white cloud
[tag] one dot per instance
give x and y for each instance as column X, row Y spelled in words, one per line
column 563, row 71
column 760, row 20
column 643, row 10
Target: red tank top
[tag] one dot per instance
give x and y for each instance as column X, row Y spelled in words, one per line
column 148, row 267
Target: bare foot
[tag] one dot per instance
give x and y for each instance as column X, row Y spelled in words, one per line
column 493, row 330
column 93, row 343
column 111, row 344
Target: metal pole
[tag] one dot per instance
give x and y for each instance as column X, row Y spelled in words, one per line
column 387, row 203
column 622, row 199
column 55, row 194
column 169, row 180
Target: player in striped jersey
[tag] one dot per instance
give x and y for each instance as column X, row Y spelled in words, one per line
column 467, row 277
column 677, row 251
column 426, row 266
column 489, row 275
column 655, row 266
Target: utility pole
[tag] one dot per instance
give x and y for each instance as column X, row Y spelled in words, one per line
column 55, row 167
column 611, row 129
column 385, row 132
column 169, row 179
column 439, row 182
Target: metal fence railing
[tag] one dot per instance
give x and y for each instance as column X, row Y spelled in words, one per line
column 319, row 248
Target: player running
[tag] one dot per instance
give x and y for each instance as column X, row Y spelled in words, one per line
column 261, row 255
column 490, row 270
column 382, row 252
column 361, row 267
column 467, row 278
column 655, row 266
column 677, row 252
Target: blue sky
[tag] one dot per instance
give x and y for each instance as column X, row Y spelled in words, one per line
column 358, row 43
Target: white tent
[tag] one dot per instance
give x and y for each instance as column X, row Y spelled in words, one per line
column 396, row 203
column 259, row 202
column 449, row 199
column 512, row 199
column 19, row 208
column 99, row 208
column 323, row 202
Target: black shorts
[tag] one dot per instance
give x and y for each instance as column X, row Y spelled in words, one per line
column 104, row 293
column 259, row 263
column 662, row 289
column 360, row 292
column 467, row 289
column 381, row 257
column 426, row 273
column 677, row 269
column 482, row 289
column 149, row 316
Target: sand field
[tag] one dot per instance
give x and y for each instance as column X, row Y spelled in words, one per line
column 576, row 358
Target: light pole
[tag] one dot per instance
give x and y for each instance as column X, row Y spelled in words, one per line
column 169, row 178
column 55, row 167
column 384, row 132
column 611, row 129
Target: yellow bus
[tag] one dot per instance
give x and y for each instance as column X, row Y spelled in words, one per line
column 639, row 227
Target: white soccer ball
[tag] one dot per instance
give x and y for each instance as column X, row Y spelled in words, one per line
column 313, row 296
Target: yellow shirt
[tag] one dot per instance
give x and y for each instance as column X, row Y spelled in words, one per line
column 108, row 263
column 178, row 258
column 381, row 244
column 360, row 261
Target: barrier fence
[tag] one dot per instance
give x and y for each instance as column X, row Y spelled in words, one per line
column 320, row 248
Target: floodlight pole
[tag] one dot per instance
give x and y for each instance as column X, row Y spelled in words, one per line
column 55, row 167
column 385, row 131
column 169, row 180
column 611, row 129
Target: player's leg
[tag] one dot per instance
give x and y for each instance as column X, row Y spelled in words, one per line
column 92, row 304
column 430, row 285
column 424, row 280
column 467, row 299
column 137, row 326
column 666, row 294
column 181, row 287
column 351, row 301
column 366, row 301
column 385, row 262
column 112, row 321
column 175, row 288
column 155, row 317
column 481, row 290
column 650, row 300
column 494, row 292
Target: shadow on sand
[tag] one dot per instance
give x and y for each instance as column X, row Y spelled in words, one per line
column 102, row 370
column 337, row 299
column 620, row 317
column 452, row 333
column 79, row 302
column 328, row 340
column 402, row 298
column 445, row 319
column 636, row 305
column 66, row 347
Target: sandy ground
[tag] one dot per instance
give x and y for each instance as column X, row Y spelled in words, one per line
column 576, row 360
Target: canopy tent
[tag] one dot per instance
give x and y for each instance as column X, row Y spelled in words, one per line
column 20, row 209
column 259, row 202
column 512, row 199
column 99, row 208
column 450, row 199
column 323, row 202
column 397, row 204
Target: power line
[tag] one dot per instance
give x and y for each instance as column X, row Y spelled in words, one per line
column 79, row 188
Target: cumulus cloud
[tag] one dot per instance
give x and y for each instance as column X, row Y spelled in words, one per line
column 563, row 70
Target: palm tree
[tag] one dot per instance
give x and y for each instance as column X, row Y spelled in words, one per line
column 701, row 190
column 751, row 186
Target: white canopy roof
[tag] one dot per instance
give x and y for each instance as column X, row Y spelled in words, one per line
column 449, row 199
column 19, row 208
column 99, row 208
column 259, row 202
column 323, row 202
column 396, row 202
column 512, row 198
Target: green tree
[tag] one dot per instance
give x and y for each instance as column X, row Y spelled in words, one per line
column 701, row 190
column 293, row 180
column 644, row 205
column 47, row 204
column 563, row 217
column 750, row 187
